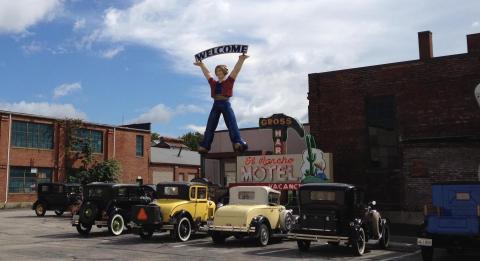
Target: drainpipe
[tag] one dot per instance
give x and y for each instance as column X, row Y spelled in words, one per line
column 114, row 145
column 8, row 157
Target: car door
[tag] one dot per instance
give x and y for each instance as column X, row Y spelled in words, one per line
column 57, row 199
column 201, row 206
column 274, row 209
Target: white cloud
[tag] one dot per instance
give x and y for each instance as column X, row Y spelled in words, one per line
column 161, row 113
column 16, row 16
column 110, row 53
column 79, row 24
column 66, row 89
column 475, row 24
column 33, row 47
column 194, row 127
column 287, row 40
column 157, row 114
column 45, row 109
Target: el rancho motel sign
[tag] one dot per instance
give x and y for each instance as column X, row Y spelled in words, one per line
column 280, row 171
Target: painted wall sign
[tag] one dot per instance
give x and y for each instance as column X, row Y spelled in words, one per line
column 231, row 48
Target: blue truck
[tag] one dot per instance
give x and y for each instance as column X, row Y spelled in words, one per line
column 452, row 220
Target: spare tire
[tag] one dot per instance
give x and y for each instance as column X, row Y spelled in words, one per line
column 88, row 213
column 286, row 220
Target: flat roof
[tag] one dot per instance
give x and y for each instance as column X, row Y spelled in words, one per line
column 327, row 185
column 61, row 119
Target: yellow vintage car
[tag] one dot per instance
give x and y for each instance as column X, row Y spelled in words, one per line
column 253, row 211
column 181, row 208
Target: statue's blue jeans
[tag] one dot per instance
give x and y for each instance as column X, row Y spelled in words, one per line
column 222, row 108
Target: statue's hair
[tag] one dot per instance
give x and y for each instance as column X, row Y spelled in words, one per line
column 223, row 68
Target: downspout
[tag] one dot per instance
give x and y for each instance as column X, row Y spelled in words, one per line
column 8, row 157
column 114, row 145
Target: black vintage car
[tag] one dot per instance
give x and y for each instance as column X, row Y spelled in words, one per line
column 57, row 197
column 336, row 213
column 109, row 205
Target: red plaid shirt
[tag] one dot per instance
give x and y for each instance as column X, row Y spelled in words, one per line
column 227, row 86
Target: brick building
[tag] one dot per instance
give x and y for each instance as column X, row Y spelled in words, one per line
column 32, row 149
column 396, row 128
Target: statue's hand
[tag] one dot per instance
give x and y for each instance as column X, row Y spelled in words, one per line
column 198, row 63
column 243, row 57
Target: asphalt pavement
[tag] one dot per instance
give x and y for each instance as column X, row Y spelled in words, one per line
column 24, row 236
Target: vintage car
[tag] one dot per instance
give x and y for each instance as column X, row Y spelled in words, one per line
column 335, row 213
column 452, row 221
column 181, row 208
column 109, row 205
column 253, row 211
column 57, row 197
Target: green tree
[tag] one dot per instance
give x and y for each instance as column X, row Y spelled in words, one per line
column 192, row 139
column 155, row 137
column 105, row 171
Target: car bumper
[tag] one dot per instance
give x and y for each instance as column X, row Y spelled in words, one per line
column 313, row 237
column 76, row 221
column 447, row 241
column 232, row 229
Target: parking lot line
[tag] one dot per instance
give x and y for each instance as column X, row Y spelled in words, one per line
column 275, row 251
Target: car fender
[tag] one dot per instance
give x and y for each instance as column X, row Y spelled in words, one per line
column 258, row 220
column 178, row 214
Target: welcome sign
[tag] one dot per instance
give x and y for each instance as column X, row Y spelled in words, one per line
column 232, row 48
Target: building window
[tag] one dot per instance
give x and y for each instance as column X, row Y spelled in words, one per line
column 25, row 179
column 32, row 135
column 86, row 137
column 139, row 146
column 382, row 132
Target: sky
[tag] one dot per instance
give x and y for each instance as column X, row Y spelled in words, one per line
column 130, row 61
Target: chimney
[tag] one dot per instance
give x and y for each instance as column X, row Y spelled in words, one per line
column 473, row 43
column 425, row 45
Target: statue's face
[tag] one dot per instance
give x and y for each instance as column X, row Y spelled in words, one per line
column 219, row 73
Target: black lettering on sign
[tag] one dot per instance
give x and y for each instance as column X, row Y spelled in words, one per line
column 231, row 48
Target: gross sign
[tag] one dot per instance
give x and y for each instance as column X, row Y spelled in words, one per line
column 270, row 169
column 279, row 123
column 231, row 48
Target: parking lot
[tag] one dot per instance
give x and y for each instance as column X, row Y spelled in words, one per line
column 23, row 236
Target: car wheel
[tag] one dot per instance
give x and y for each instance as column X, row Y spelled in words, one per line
column 183, row 229
column 359, row 242
column 263, row 235
column 303, row 245
column 146, row 233
column 116, row 224
column 385, row 239
column 40, row 209
column 427, row 253
column 58, row 212
column 88, row 213
column 84, row 230
column 218, row 237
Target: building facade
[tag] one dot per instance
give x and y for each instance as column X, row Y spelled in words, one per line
column 173, row 164
column 397, row 128
column 34, row 149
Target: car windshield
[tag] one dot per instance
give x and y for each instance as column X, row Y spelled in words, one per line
column 322, row 196
column 97, row 192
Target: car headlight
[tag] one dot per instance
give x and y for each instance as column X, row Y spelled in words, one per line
column 304, row 217
column 352, row 224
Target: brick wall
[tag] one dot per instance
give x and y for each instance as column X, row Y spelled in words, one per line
column 434, row 100
column 121, row 147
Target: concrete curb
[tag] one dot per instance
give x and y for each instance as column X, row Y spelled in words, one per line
column 16, row 205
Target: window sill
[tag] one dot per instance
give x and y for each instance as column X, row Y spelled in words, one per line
column 28, row 148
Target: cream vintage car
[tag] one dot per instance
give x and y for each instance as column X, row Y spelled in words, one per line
column 254, row 211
